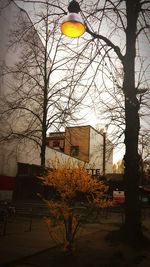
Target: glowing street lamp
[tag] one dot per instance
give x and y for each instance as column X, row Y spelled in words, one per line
column 73, row 24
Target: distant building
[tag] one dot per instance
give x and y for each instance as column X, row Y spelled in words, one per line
column 84, row 143
column 56, row 140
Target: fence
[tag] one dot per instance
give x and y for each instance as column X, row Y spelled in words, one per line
column 22, row 219
column 29, row 215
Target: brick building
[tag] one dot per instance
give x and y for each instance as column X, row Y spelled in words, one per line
column 84, row 143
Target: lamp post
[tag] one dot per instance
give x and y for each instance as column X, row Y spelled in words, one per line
column 132, row 224
column 104, row 150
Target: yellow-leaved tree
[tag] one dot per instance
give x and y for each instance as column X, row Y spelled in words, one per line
column 73, row 185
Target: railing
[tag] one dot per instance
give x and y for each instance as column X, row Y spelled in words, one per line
column 23, row 216
column 27, row 214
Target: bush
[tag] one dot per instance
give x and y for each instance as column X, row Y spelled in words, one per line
column 73, row 185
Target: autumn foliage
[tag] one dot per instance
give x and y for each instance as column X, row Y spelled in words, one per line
column 73, row 185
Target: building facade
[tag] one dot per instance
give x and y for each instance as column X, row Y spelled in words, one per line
column 12, row 122
column 87, row 144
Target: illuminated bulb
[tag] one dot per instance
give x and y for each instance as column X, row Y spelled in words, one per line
column 73, row 25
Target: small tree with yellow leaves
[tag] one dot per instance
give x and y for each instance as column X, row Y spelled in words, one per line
column 71, row 181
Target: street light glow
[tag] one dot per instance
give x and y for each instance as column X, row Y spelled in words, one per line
column 73, row 25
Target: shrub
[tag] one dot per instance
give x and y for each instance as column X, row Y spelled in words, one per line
column 73, row 185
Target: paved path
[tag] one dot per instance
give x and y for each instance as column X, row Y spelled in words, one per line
column 19, row 242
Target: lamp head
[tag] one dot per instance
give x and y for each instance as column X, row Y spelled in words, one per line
column 74, row 7
column 73, row 24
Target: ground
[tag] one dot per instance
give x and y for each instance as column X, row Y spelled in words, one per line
column 97, row 246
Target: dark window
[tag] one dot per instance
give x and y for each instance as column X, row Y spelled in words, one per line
column 56, row 144
column 74, row 151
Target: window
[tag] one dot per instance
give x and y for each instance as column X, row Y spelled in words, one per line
column 74, row 151
column 56, row 143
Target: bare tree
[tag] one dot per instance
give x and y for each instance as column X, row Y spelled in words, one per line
column 129, row 19
column 117, row 29
column 41, row 93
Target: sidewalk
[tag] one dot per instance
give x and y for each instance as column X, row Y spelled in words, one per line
column 19, row 244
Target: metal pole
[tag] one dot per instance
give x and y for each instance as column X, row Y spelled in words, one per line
column 104, row 152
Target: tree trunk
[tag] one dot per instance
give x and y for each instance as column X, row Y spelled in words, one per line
column 45, row 94
column 69, row 235
column 43, row 148
column 132, row 168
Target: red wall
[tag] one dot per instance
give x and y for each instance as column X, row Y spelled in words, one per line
column 7, row 182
